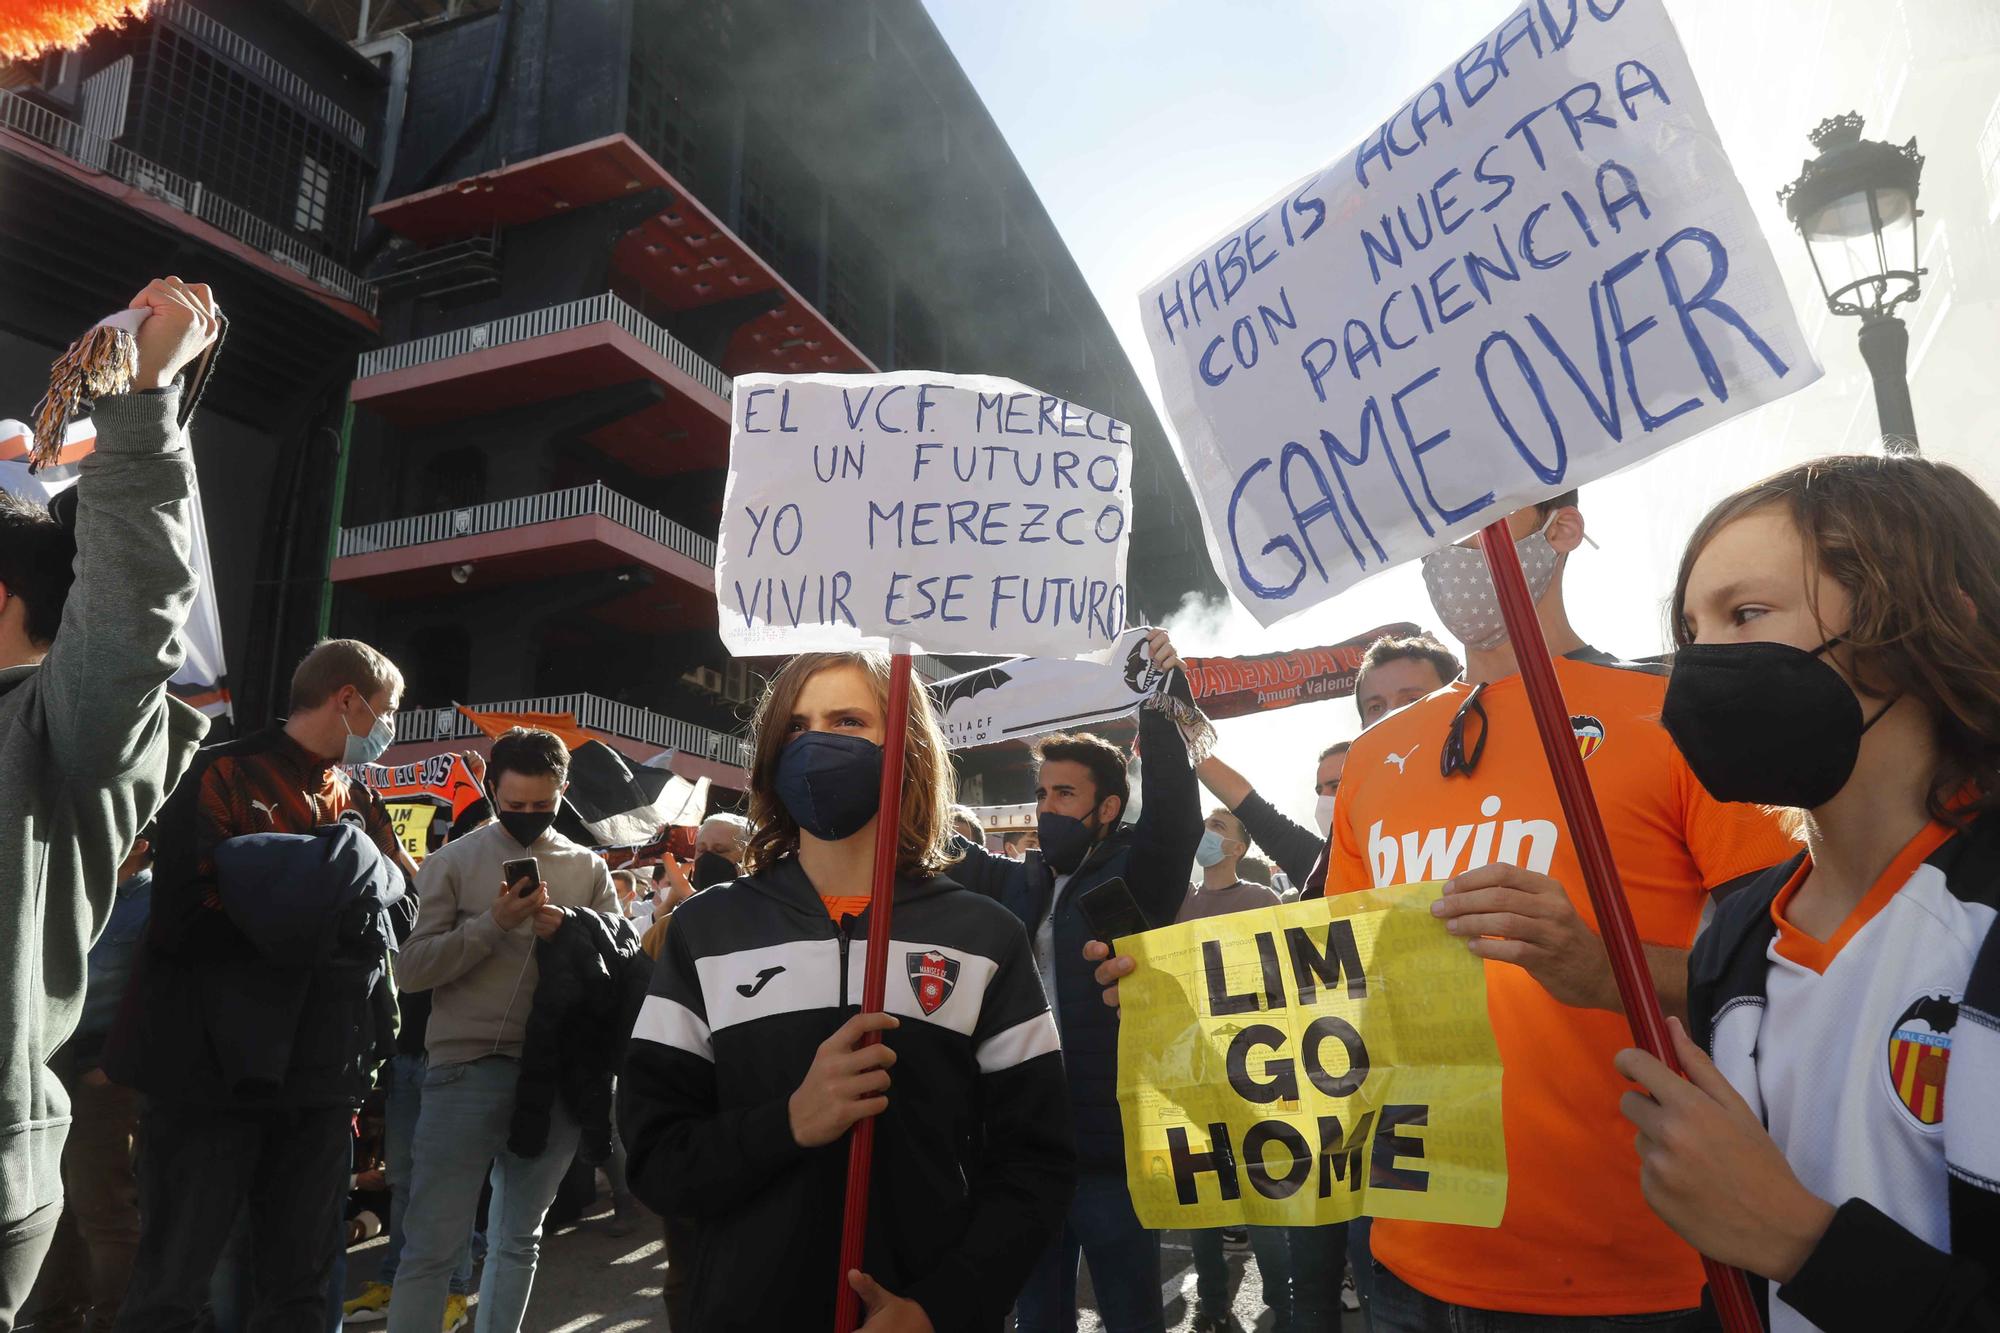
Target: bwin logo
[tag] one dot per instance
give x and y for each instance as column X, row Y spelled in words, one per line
column 1437, row 853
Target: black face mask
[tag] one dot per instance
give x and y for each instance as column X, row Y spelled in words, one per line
column 830, row 784
column 1765, row 723
column 712, row 868
column 526, row 826
column 1066, row 840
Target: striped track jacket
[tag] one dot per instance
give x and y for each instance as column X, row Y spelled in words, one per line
column 974, row 1160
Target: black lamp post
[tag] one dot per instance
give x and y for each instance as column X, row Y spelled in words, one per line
column 1856, row 206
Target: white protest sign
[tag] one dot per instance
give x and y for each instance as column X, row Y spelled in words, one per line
column 953, row 513
column 1538, row 271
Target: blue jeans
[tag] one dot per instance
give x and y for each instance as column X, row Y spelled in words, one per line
column 1397, row 1307
column 1124, row 1265
column 1319, row 1257
column 229, row 1284
column 1362, row 1260
column 1272, row 1247
column 461, row 1133
column 399, row 1131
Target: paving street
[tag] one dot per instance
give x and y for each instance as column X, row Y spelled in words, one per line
column 594, row 1283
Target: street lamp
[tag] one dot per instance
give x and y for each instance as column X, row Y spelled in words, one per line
column 1856, row 206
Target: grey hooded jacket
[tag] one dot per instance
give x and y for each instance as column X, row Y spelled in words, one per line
column 90, row 745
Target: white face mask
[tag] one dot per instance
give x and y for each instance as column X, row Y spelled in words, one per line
column 1323, row 815
column 1462, row 591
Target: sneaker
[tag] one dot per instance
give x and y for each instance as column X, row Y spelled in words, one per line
column 626, row 1215
column 1205, row 1322
column 371, row 1306
column 1236, row 1238
column 456, row 1316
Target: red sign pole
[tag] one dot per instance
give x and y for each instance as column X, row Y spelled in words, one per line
column 1600, row 871
column 888, row 826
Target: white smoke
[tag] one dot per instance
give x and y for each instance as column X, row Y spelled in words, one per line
column 1279, row 751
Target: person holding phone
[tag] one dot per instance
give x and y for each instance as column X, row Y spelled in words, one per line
column 749, row 1062
column 484, row 900
column 1081, row 794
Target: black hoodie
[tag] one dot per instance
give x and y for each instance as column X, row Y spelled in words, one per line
column 973, row 1162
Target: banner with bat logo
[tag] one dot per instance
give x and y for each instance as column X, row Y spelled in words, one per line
column 1029, row 696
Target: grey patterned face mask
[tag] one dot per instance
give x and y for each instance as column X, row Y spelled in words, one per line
column 1462, row 592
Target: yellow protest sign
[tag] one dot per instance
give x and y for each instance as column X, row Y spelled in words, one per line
column 412, row 821
column 1310, row 1063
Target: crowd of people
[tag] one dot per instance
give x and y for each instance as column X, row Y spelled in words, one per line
column 246, row 1030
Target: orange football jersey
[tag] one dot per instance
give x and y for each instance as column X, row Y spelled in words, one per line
column 1578, row 1237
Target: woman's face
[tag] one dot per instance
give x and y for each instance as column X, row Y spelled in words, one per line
column 839, row 699
column 1755, row 582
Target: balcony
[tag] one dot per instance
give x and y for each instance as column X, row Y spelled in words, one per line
column 250, row 58
column 522, row 192
column 40, row 135
column 638, row 733
column 557, row 352
column 539, row 537
column 682, row 257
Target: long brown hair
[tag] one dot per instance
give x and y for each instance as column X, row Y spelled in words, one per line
column 924, row 839
column 1916, row 545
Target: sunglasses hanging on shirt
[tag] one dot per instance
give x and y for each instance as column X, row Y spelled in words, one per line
column 1455, row 758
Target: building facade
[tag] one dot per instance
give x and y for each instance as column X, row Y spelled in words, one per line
column 231, row 143
column 491, row 266
column 597, row 213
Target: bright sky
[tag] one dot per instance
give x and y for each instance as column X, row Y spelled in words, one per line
column 1149, row 126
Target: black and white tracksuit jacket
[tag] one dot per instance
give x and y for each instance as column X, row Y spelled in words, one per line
column 974, row 1160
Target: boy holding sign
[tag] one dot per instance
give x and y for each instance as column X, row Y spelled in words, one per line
column 1577, row 1245
column 1578, row 1250
column 1836, row 627
column 1533, row 365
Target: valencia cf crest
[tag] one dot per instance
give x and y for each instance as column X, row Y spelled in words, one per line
column 932, row 975
column 1919, row 1051
column 1589, row 733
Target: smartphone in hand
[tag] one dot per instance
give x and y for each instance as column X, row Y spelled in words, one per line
column 1112, row 911
column 514, row 871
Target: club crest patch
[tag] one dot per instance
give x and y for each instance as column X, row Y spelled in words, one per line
column 1589, row 734
column 1919, row 1053
column 932, row 977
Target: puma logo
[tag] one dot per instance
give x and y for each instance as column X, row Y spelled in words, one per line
column 1400, row 759
column 270, row 812
column 748, row 990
